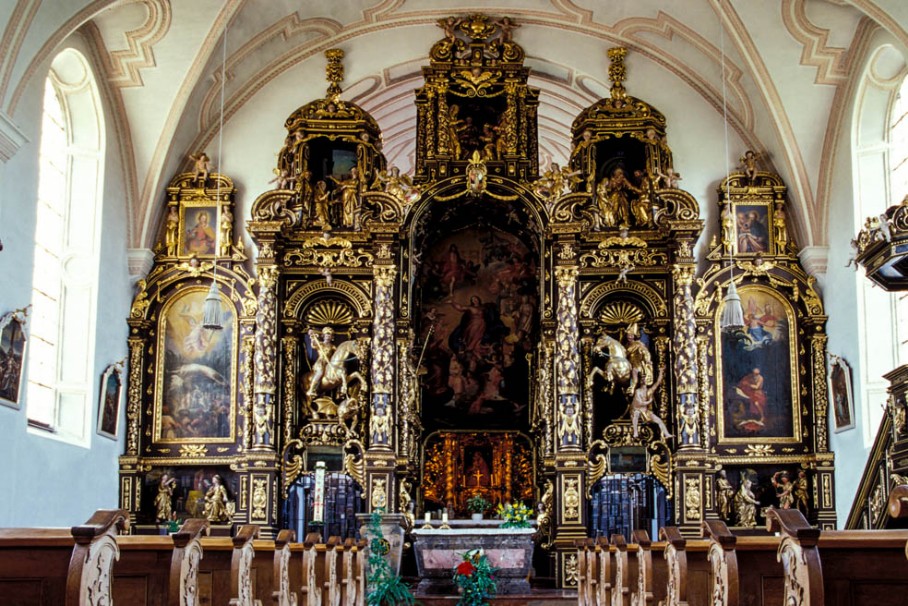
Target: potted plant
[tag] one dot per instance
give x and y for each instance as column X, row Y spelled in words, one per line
column 477, row 505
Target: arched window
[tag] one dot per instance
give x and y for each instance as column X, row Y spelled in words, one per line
column 65, row 269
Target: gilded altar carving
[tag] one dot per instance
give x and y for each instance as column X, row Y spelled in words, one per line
column 571, row 499
column 481, row 326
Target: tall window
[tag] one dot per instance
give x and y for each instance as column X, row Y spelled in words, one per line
column 65, row 270
column 898, row 189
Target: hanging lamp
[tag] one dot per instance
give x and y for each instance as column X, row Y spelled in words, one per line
column 211, row 311
column 732, row 318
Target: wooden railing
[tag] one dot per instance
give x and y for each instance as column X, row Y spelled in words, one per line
column 799, row 565
column 91, row 565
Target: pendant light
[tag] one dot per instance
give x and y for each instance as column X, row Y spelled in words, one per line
column 211, row 312
column 732, row 318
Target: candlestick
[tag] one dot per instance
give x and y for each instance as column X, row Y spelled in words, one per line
column 428, row 524
column 444, row 522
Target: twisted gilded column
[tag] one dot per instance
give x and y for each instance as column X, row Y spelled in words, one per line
column 265, row 360
column 567, row 360
column 686, row 358
column 381, row 417
column 134, row 395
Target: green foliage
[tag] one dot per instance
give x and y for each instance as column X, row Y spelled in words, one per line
column 475, row 579
column 174, row 525
column 514, row 516
column 384, row 588
column 477, row 504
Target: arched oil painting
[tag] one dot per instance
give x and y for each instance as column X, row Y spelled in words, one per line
column 758, row 382
column 195, row 372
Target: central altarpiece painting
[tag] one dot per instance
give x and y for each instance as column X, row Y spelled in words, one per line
column 480, row 327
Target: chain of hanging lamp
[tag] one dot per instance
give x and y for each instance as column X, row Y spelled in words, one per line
column 732, row 318
column 211, row 315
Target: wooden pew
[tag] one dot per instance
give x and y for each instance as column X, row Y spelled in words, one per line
column 621, row 591
column 723, row 574
column 643, row 595
column 604, row 568
column 49, row 566
column 282, row 594
column 158, row 570
column 584, row 580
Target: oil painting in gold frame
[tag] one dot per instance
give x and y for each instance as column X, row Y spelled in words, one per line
column 196, row 372
column 757, row 382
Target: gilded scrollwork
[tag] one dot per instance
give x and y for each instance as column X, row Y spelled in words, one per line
column 329, row 252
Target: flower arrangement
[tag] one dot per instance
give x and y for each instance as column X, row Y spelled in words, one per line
column 477, row 504
column 474, row 578
column 514, row 516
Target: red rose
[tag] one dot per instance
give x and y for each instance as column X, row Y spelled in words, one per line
column 465, row 568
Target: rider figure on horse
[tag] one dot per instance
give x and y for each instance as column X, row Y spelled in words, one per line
column 325, row 349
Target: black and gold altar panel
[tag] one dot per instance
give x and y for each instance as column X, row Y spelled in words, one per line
column 481, row 327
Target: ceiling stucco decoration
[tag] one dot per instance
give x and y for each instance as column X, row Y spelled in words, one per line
column 790, row 70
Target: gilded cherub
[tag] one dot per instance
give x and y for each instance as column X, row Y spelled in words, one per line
column 749, row 164
column 202, row 167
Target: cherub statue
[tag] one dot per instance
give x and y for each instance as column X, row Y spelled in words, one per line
column 283, row 179
column 448, row 24
column 505, row 25
column 202, row 167
column 749, row 164
column 669, row 178
column 398, row 185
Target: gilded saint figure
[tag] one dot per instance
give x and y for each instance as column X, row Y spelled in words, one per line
column 163, row 500
column 216, row 501
column 725, row 496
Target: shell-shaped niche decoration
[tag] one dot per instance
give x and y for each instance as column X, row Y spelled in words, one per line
column 620, row 313
column 330, row 313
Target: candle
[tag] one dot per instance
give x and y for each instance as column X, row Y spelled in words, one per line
column 428, row 517
column 444, row 518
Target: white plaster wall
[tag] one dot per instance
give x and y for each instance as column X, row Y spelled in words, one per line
column 862, row 326
column 47, row 482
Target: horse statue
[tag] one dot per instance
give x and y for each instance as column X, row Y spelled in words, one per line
column 329, row 371
column 617, row 370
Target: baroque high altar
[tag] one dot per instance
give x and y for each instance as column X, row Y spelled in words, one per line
column 480, row 327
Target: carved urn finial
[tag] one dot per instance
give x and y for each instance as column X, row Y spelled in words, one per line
column 334, row 71
column 617, row 72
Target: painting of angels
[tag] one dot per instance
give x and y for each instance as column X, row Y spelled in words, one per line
column 479, row 306
column 757, row 382
column 196, row 374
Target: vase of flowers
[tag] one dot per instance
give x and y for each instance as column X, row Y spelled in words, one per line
column 475, row 579
column 514, row 516
column 477, row 505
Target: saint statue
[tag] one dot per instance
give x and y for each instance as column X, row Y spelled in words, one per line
column 216, row 502
column 163, row 501
column 725, row 496
column 746, row 504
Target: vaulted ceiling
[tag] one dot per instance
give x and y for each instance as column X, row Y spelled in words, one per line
column 789, row 70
